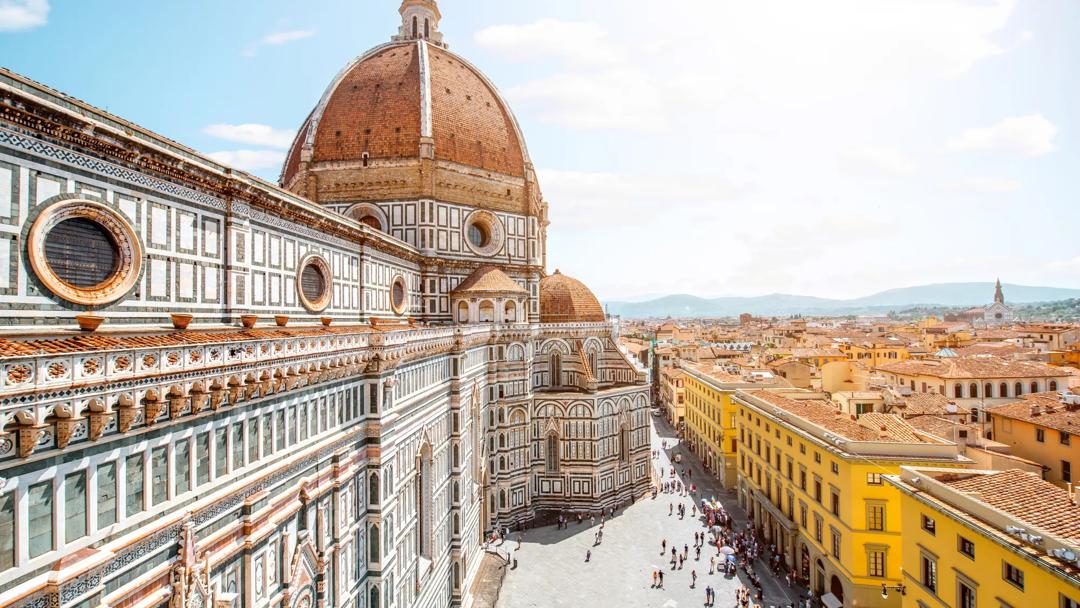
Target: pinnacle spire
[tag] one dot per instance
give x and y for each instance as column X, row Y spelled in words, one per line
column 420, row 21
column 999, row 296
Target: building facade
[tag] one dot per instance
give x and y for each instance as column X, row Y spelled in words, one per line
column 1044, row 428
column 423, row 380
column 987, row 538
column 811, row 479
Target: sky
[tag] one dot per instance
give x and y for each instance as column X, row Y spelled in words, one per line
column 833, row 148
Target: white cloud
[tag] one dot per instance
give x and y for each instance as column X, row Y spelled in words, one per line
column 277, row 39
column 618, row 98
column 16, row 15
column 1031, row 135
column 252, row 134
column 878, row 161
column 573, row 42
column 249, row 160
column 991, row 185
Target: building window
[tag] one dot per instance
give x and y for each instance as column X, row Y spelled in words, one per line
column 817, row 490
column 74, row 506
column 238, row 445
column 802, row 515
column 159, row 471
column 1012, row 574
column 817, row 527
column 399, row 295
column 1063, row 438
column 314, row 283
column 873, row 479
column 875, row 563
column 202, row 459
column 835, row 468
column 875, row 517
column 836, row 544
column 1064, row 602
column 1066, row 471
column 929, row 524
column 1040, row 435
column 106, row 495
column 965, row 546
column 7, row 531
column 135, row 484
column 181, row 467
column 965, row 595
column 40, row 528
column 552, row 453
column 928, row 573
column 836, row 504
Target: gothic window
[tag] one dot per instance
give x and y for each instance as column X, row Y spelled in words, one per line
column 424, row 509
column 415, row 28
column 463, row 312
column 373, row 489
column 624, row 444
column 427, row 29
column 552, row 453
column 510, row 312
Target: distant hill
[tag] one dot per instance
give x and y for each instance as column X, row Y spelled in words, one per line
column 778, row 304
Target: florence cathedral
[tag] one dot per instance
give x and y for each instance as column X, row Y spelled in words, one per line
column 328, row 392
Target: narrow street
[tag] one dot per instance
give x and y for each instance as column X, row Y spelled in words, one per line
column 552, row 568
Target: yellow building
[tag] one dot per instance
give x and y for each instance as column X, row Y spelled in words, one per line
column 672, row 396
column 978, row 380
column 997, row 539
column 876, row 351
column 811, row 478
column 710, row 415
column 1043, row 427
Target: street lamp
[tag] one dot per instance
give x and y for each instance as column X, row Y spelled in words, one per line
column 885, row 590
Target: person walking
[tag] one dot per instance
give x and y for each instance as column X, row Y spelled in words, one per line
column 588, row 554
column 693, row 578
column 663, row 546
column 661, row 573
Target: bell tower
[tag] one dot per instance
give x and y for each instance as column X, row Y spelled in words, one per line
column 420, row 21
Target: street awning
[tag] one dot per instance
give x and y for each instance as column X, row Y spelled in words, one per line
column 831, row 601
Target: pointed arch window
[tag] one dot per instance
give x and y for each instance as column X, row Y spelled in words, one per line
column 414, row 27
column 556, row 369
column 551, row 454
column 424, row 508
column 624, row 444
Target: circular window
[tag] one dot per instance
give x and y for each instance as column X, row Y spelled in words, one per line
column 81, row 253
column 483, row 233
column 84, row 252
column 399, row 295
column 478, row 235
column 313, row 283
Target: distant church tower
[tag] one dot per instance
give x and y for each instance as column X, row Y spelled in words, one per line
column 998, row 313
column 999, row 297
column 420, row 21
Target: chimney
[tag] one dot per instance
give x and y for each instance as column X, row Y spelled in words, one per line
column 884, row 432
column 1035, row 409
column 1075, row 494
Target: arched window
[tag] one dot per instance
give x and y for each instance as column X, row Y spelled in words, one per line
column 427, row 29
column 424, row 508
column 463, row 312
column 373, row 489
column 1018, row 390
column 487, row 311
column 988, row 390
column 414, row 27
column 592, row 365
column 510, row 312
column 1003, row 390
column 556, row 369
column 624, row 444
column 1053, row 385
column 552, row 453
column 373, row 544
column 958, row 391
column 502, row 499
column 1034, row 387
column 973, row 390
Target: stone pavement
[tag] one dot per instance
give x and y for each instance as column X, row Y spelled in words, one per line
column 552, row 570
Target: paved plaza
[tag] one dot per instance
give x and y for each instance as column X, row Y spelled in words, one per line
column 552, row 570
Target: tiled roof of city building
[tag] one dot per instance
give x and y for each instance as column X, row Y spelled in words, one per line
column 886, row 428
column 1043, row 409
column 1024, row 496
column 973, row 367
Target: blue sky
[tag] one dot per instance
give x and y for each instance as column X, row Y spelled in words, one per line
column 715, row 147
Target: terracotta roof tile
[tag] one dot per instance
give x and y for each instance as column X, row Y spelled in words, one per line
column 489, row 279
column 974, row 368
column 1051, row 412
column 1024, row 496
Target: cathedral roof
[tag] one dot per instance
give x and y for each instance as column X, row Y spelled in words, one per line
column 488, row 280
column 393, row 99
column 567, row 300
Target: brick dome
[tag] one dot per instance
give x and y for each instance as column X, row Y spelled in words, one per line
column 394, row 107
column 565, row 299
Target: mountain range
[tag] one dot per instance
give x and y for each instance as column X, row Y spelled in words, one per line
column 779, row 304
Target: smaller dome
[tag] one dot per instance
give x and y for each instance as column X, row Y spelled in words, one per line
column 567, row 300
column 487, row 280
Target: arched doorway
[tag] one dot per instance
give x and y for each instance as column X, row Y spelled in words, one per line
column 837, row 588
column 819, row 584
column 804, row 563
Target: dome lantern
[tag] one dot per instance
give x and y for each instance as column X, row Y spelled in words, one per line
column 420, row 21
